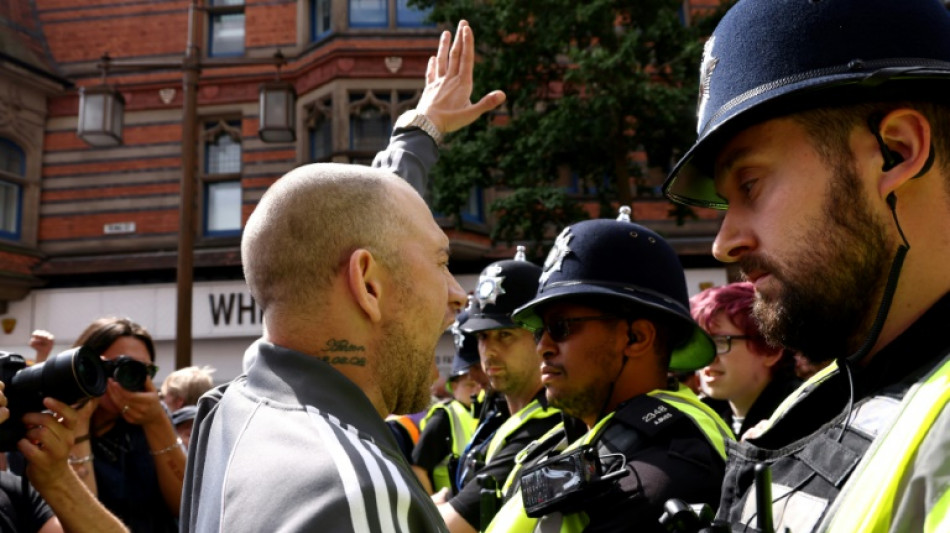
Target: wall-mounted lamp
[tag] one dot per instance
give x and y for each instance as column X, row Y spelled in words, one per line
column 277, row 109
column 101, row 111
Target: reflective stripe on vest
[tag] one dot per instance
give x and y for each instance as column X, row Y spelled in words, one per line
column 512, row 516
column 462, row 425
column 532, row 411
column 866, row 502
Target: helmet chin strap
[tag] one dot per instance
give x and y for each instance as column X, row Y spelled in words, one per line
column 891, row 159
column 889, row 290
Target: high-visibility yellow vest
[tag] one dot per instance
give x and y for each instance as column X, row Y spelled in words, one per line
column 462, row 425
column 866, row 504
column 512, row 516
column 532, row 411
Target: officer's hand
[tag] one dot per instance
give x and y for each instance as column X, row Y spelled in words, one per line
column 446, row 99
column 442, row 496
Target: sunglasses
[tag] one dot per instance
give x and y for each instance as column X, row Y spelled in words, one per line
column 130, row 373
column 560, row 329
column 724, row 342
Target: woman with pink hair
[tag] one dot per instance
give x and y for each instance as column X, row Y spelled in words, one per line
column 748, row 377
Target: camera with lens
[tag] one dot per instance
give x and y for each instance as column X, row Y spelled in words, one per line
column 129, row 373
column 68, row 377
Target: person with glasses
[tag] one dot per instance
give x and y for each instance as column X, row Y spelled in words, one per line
column 748, row 378
column 508, row 358
column 126, row 449
column 611, row 318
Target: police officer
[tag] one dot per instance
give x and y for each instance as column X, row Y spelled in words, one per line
column 448, row 425
column 612, row 316
column 508, row 357
column 823, row 134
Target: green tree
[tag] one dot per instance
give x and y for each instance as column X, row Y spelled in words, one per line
column 589, row 84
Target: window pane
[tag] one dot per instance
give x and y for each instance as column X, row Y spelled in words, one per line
column 12, row 159
column 227, row 34
column 410, row 16
column 369, row 13
column 321, row 140
column 319, row 18
column 223, row 155
column 227, row 2
column 472, row 211
column 224, row 206
column 370, row 129
column 9, row 209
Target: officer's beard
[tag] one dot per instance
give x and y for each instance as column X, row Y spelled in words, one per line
column 830, row 289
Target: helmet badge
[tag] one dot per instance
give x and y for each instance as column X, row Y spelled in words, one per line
column 556, row 255
column 489, row 286
column 457, row 336
column 705, row 75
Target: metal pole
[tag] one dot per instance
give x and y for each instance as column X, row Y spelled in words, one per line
column 189, row 158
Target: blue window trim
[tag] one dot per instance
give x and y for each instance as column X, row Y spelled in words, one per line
column 314, row 36
column 18, row 229
column 478, row 217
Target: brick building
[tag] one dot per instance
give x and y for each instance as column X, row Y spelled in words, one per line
column 89, row 231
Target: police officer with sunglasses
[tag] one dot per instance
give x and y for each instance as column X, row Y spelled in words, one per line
column 611, row 317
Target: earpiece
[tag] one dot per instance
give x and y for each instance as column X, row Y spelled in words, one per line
column 891, row 158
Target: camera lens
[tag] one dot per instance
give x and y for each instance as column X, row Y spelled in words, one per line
column 69, row 377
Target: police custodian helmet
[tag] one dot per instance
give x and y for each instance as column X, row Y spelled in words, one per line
column 769, row 58
column 620, row 260
column 502, row 287
column 466, row 346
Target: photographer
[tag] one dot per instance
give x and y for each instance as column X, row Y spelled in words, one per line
column 55, row 487
column 139, row 461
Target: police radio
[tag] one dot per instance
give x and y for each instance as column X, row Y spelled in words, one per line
column 565, row 482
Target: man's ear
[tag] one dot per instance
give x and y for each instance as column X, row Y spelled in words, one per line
column 906, row 135
column 640, row 337
column 365, row 283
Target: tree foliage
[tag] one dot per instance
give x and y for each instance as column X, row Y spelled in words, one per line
column 589, row 85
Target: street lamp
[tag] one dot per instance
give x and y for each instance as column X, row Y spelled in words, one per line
column 100, row 124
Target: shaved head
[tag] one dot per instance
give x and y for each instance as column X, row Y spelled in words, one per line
column 309, row 222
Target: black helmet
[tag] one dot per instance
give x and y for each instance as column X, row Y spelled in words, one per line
column 620, row 260
column 466, row 346
column 502, row 287
column 769, row 58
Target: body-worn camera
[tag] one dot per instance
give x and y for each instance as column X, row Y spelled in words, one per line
column 563, row 483
column 69, row 377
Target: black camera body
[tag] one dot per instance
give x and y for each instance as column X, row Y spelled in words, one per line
column 565, row 482
column 69, row 377
column 128, row 372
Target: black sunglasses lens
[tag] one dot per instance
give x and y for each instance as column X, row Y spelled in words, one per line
column 559, row 330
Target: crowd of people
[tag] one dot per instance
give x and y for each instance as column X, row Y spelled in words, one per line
column 827, row 146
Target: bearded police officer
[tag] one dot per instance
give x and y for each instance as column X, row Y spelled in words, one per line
column 823, row 133
column 509, row 360
column 612, row 318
